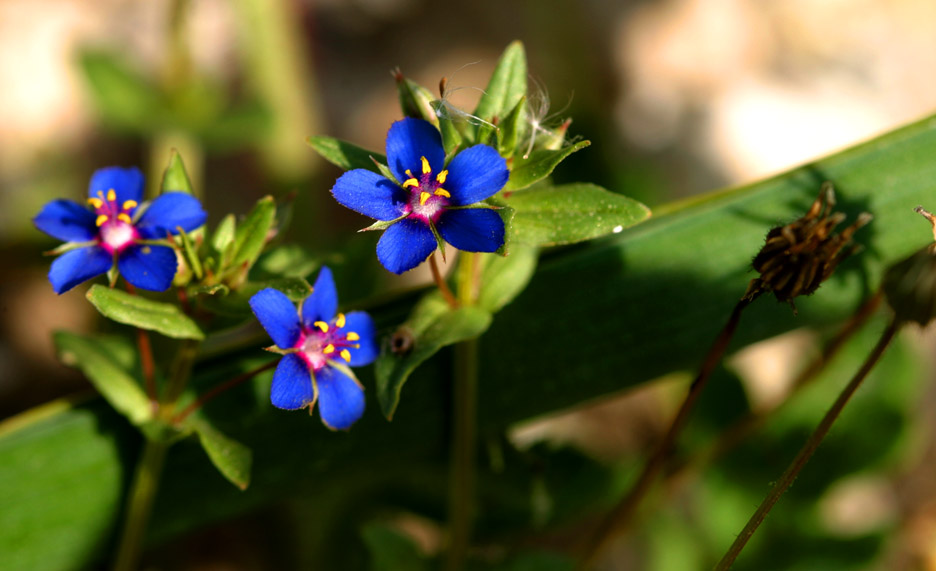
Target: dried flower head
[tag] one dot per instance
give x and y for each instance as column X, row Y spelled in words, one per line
column 910, row 285
column 798, row 257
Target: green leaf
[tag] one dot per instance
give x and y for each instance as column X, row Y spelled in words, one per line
column 507, row 85
column 432, row 325
column 538, row 166
column 123, row 97
column 144, row 313
column 571, row 213
column 251, row 235
column 224, row 234
column 229, row 456
column 509, row 133
column 239, row 127
column 175, row 178
column 504, row 277
column 95, row 358
column 344, row 155
column 415, row 100
column 286, row 261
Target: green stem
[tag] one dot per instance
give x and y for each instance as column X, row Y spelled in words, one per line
column 462, row 471
column 440, row 282
column 140, row 504
column 808, row 449
column 179, row 376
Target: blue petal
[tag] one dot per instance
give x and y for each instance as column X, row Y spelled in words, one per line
column 340, row 398
column 171, row 209
column 362, row 324
column 322, row 303
column 278, row 316
column 292, row 386
column 76, row 266
column 476, row 173
column 126, row 182
column 405, row 245
column 66, row 220
column 148, row 267
column 370, row 194
column 410, row 139
column 472, row 229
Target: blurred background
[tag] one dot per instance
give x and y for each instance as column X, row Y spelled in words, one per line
column 677, row 96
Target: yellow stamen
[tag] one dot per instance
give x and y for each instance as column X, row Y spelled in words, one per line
column 425, row 165
column 111, row 195
column 328, row 349
column 340, row 322
column 124, row 217
column 411, row 182
column 443, row 192
column 101, row 220
column 321, row 325
column 346, row 355
column 442, row 176
column 128, row 204
column 352, row 336
column 423, row 197
column 409, row 173
column 95, row 202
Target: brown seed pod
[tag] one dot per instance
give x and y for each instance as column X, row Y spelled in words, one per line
column 798, row 257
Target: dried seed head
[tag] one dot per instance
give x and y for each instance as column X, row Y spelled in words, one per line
column 798, row 257
column 910, row 285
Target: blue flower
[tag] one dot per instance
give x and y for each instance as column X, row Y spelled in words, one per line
column 116, row 230
column 318, row 345
column 437, row 198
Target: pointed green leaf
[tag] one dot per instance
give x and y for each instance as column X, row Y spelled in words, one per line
column 433, row 325
column 251, row 235
column 229, row 456
column 95, row 357
column 451, row 138
column 507, row 85
column 344, row 155
column 571, row 213
column 224, row 234
column 505, row 277
column 144, row 313
column 509, row 133
column 415, row 100
column 540, row 165
column 175, row 177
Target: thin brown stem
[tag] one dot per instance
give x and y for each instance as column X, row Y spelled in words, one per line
column 752, row 421
column 147, row 364
column 620, row 517
column 808, row 449
column 440, row 281
column 225, row 386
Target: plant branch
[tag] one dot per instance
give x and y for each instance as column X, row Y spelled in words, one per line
column 140, row 504
column 462, row 464
column 808, row 449
column 227, row 385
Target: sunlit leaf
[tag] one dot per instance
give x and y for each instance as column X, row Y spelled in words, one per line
column 144, row 313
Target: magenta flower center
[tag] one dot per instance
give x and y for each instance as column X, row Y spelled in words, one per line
column 427, row 198
column 116, row 230
column 324, row 341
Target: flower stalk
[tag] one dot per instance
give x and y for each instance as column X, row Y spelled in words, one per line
column 140, row 504
column 808, row 449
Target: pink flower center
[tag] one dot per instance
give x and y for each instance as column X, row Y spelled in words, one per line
column 427, row 198
column 114, row 221
column 324, row 341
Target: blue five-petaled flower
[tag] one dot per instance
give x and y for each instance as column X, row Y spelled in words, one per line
column 115, row 230
column 431, row 195
column 319, row 345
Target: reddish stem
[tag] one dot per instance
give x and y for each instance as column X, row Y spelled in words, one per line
column 227, row 385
